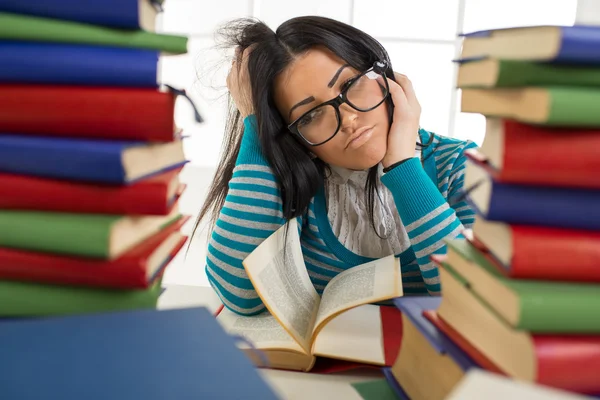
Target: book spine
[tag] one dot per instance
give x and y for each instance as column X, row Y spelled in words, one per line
column 552, row 166
column 23, row 193
column 85, row 235
column 579, row 355
column 26, row 266
column 544, row 253
column 87, row 112
column 68, row 64
column 120, row 14
column 56, row 158
column 543, row 206
column 578, row 45
column 31, row 299
column 573, row 309
column 573, row 107
column 27, row 28
column 521, row 73
column 123, row 273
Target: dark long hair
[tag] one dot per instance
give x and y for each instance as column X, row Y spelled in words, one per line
column 297, row 173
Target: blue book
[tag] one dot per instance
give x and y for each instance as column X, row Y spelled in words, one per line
column 72, row 64
column 531, row 205
column 87, row 160
column 127, row 14
column 149, row 354
column 558, row 44
column 391, row 380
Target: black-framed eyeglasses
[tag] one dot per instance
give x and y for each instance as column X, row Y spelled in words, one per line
column 364, row 92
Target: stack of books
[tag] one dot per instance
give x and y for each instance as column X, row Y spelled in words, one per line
column 89, row 157
column 521, row 296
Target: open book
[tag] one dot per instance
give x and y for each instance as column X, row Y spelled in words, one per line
column 301, row 324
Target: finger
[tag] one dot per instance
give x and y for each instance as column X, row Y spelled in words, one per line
column 242, row 64
column 407, row 87
column 398, row 96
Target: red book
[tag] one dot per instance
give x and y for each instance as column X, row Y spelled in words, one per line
column 564, row 362
column 532, row 252
column 525, row 154
column 391, row 327
column 88, row 112
column 153, row 196
column 135, row 269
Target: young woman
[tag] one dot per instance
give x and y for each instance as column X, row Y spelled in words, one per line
column 330, row 136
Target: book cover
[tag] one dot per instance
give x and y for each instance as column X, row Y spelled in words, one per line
column 87, row 235
column 30, row 299
column 145, row 354
column 393, row 382
column 37, row 29
column 570, row 208
column 551, row 105
column 156, row 195
column 536, row 306
column 569, row 159
column 488, row 73
column 87, row 160
column 125, row 14
column 377, row 389
column 560, row 44
column 533, row 252
column 75, row 64
column 88, row 112
column 136, row 269
column 563, row 361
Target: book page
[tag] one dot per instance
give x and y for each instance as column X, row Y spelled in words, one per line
column 478, row 384
column 262, row 330
column 277, row 271
column 367, row 283
column 354, row 335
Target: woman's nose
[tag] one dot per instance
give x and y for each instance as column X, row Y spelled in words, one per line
column 348, row 116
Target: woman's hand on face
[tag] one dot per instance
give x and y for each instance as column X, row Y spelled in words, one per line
column 238, row 83
column 405, row 126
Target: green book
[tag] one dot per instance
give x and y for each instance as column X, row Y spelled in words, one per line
column 505, row 73
column 550, row 105
column 88, row 235
column 25, row 299
column 536, row 306
column 25, row 27
column 377, row 389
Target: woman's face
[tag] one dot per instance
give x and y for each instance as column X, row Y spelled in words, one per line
column 316, row 77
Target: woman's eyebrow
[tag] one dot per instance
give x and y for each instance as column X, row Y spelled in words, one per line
column 301, row 103
column 311, row 98
column 337, row 75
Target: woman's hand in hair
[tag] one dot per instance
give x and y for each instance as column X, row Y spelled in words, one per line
column 405, row 126
column 238, row 83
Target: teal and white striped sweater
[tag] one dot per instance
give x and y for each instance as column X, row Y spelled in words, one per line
column 422, row 190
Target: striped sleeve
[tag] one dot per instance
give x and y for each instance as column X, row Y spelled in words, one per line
column 426, row 215
column 251, row 213
column 456, row 180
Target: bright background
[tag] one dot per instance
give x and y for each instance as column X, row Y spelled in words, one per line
column 420, row 36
